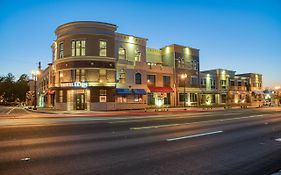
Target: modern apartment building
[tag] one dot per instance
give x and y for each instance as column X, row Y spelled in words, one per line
column 96, row 68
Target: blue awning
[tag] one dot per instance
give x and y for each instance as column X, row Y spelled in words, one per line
column 122, row 91
column 139, row 91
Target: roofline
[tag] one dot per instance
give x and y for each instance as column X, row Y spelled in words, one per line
column 132, row 36
column 98, row 22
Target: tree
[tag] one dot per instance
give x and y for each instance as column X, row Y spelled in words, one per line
column 11, row 90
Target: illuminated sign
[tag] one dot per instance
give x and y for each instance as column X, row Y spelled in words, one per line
column 75, row 84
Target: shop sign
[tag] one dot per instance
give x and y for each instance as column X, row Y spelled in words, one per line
column 76, row 84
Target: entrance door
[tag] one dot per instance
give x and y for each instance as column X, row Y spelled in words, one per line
column 80, row 101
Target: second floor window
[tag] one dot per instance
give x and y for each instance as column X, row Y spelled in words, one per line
column 166, row 81
column 78, row 48
column 137, row 55
column 61, row 50
column 151, row 80
column 122, row 53
column 194, row 81
column 138, row 78
column 103, row 48
column 223, row 83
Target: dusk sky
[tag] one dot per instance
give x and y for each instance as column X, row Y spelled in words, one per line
column 241, row 35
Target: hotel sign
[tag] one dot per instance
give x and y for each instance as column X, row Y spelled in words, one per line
column 75, row 84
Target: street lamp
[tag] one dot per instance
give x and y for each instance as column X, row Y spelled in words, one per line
column 183, row 77
column 35, row 75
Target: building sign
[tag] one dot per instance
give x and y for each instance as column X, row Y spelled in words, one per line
column 75, row 84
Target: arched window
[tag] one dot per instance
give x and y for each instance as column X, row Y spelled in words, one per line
column 122, row 53
column 138, row 78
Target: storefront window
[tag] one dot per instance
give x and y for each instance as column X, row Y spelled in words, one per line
column 150, row 99
column 121, row 99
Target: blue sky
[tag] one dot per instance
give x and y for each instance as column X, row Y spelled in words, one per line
column 241, row 35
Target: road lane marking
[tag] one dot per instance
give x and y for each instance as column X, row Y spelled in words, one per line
column 25, row 159
column 10, row 110
column 182, row 124
column 160, row 117
column 194, row 136
column 278, row 140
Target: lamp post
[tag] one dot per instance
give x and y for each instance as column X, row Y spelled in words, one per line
column 35, row 75
column 183, row 77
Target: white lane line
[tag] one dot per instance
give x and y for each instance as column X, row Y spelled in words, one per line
column 193, row 136
column 160, row 117
column 278, row 140
column 181, row 124
column 10, row 110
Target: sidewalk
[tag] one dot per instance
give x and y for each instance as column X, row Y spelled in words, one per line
column 154, row 111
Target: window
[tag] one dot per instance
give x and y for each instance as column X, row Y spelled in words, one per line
column 121, row 99
column 60, row 96
column 102, row 91
column 122, row 76
column 73, row 75
column 137, row 55
column 232, row 83
column 61, row 50
column 78, row 48
column 203, row 81
column 223, row 83
column 103, row 48
column 194, row 65
column 55, row 52
column 213, row 83
column 151, row 80
column 182, row 96
column 122, row 53
column 194, row 80
column 138, row 98
column 102, row 95
column 167, row 99
column 150, row 99
column 166, row 81
column 239, row 83
column 193, row 97
column 223, row 98
column 138, row 78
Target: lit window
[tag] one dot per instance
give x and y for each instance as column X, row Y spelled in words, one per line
column 103, row 48
column 102, row 95
column 122, row 76
column 137, row 55
column 151, row 80
column 78, row 48
column 122, row 53
column 61, row 50
column 60, row 96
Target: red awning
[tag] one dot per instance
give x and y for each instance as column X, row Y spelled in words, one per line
column 161, row 89
column 51, row 92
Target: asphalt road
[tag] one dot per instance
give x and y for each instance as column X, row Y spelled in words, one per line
column 224, row 142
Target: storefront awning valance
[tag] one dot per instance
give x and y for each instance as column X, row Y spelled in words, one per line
column 139, row 91
column 123, row 91
column 161, row 89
